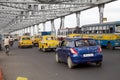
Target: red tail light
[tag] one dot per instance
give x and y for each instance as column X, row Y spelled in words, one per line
column 73, row 51
column 99, row 49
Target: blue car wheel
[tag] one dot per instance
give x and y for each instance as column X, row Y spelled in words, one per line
column 70, row 63
column 57, row 58
column 98, row 64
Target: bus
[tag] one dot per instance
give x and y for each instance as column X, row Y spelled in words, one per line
column 107, row 34
column 67, row 31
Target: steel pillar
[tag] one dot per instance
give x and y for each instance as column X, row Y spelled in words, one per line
column 29, row 30
column 37, row 28
column 101, row 10
column 62, row 22
column 44, row 26
column 25, row 30
column 17, row 32
column 78, row 18
column 53, row 27
column 20, row 32
column 33, row 29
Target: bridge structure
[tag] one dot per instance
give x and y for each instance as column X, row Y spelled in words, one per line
column 21, row 16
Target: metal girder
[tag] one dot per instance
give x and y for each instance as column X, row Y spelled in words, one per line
column 19, row 1
column 104, row 1
column 47, row 14
column 69, row 1
column 8, row 10
column 52, row 1
column 25, row 23
column 14, row 6
column 64, row 1
column 9, row 13
column 7, row 17
column 18, row 15
column 36, row 20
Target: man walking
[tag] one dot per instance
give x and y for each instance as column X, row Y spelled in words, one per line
column 7, row 44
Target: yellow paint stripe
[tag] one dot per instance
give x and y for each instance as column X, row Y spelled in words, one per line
column 22, row 78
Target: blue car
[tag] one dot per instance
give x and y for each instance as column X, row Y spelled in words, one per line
column 74, row 51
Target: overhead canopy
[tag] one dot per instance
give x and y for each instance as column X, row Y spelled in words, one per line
column 19, row 14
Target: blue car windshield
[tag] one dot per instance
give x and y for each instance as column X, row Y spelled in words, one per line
column 81, row 43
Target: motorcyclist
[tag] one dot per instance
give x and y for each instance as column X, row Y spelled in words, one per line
column 11, row 41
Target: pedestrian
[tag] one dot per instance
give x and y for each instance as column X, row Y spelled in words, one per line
column 6, row 44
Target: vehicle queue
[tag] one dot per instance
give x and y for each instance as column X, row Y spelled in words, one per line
column 71, row 50
column 76, row 47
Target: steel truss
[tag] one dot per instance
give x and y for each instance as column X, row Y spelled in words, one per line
column 19, row 14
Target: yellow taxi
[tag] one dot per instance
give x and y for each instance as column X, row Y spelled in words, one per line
column 74, row 35
column 36, row 40
column 48, row 42
column 25, row 41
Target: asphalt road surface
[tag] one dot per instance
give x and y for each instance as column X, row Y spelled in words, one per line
column 36, row 65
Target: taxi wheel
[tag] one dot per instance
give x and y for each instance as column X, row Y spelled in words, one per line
column 39, row 49
column 57, row 58
column 70, row 63
column 19, row 46
column 98, row 64
column 43, row 49
column 31, row 46
column 54, row 49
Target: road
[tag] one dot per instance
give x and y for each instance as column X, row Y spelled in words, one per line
column 36, row 65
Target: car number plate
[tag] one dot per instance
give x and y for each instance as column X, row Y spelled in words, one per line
column 88, row 55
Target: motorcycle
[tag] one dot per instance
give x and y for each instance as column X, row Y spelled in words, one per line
column 11, row 43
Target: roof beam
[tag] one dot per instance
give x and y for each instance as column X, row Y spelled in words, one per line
column 12, row 5
column 19, row 1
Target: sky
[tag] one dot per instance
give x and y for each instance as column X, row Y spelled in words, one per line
column 90, row 16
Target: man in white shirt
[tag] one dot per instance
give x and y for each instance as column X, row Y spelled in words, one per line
column 6, row 44
column 6, row 41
